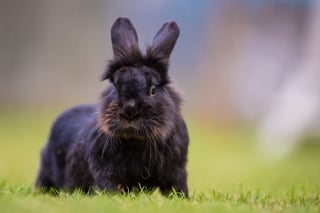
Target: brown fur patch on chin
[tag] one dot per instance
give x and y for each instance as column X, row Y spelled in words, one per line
column 162, row 132
column 132, row 134
column 157, row 132
column 125, row 133
column 103, row 125
column 104, row 118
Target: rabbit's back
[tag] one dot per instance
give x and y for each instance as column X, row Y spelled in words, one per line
column 64, row 132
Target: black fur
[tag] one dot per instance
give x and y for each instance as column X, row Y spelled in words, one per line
column 135, row 136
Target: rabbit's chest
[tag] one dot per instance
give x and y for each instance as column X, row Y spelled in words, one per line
column 139, row 165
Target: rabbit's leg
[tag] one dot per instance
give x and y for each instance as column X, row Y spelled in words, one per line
column 44, row 181
column 103, row 173
column 104, row 181
column 45, row 176
column 175, row 181
column 77, row 174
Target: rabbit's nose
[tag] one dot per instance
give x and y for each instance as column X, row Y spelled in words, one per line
column 130, row 111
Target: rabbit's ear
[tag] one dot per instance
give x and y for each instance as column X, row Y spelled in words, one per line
column 123, row 37
column 164, row 41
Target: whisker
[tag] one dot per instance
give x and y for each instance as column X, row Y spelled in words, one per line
column 95, row 113
column 105, row 145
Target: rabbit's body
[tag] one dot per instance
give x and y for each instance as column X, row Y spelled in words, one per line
column 135, row 136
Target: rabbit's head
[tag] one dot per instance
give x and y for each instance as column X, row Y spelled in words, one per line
column 139, row 103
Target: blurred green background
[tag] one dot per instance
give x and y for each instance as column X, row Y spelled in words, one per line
column 249, row 71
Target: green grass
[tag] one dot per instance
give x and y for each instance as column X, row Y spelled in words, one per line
column 226, row 174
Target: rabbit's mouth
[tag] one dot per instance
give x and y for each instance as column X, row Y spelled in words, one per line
column 136, row 129
column 134, row 124
column 132, row 120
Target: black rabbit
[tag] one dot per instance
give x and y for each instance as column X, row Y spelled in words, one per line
column 135, row 136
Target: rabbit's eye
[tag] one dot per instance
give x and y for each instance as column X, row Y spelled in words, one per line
column 152, row 90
